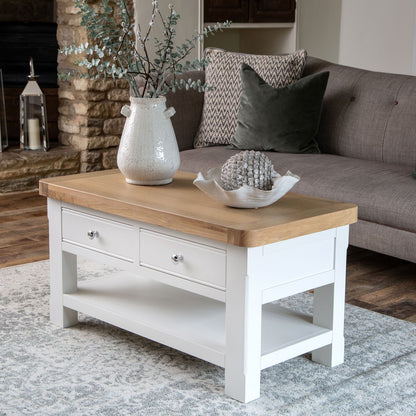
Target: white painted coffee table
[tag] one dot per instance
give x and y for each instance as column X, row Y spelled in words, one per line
column 201, row 276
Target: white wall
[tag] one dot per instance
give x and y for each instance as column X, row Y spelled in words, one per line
column 318, row 27
column 379, row 35
column 188, row 23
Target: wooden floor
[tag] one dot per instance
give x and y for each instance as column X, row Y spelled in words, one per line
column 374, row 281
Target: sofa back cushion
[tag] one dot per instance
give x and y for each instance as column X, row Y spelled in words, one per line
column 284, row 119
column 219, row 114
column 367, row 115
column 188, row 106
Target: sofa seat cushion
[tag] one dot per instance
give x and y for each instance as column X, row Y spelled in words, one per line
column 385, row 193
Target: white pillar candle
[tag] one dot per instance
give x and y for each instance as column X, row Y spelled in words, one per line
column 34, row 133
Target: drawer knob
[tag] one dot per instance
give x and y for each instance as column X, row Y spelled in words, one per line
column 92, row 234
column 177, row 258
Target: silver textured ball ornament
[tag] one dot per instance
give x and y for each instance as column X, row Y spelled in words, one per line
column 250, row 168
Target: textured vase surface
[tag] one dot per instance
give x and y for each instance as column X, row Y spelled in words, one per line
column 148, row 153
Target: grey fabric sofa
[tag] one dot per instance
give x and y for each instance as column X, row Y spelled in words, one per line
column 368, row 140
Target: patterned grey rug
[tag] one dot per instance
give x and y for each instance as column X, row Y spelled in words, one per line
column 96, row 369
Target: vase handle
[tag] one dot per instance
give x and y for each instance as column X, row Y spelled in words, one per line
column 169, row 112
column 125, row 110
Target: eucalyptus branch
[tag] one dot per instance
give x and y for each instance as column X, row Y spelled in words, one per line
column 121, row 52
column 168, row 44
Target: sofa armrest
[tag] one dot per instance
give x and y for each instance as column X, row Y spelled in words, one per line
column 188, row 106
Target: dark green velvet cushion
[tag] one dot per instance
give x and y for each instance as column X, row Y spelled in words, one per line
column 284, row 119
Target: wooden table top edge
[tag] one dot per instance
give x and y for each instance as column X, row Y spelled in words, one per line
column 60, row 188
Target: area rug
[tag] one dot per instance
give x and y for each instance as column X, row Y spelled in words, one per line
column 96, row 369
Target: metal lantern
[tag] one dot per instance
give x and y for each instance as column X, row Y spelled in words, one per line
column 33, row 119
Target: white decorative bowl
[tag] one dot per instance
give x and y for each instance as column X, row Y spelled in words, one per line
column 246, row 196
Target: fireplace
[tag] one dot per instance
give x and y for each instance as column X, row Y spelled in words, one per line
column 84, row 117
column 19, row 41
column 28, row 29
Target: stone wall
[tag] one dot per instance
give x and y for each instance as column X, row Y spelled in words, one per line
column 89, row 110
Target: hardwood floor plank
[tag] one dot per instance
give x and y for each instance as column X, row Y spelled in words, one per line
column 402, row 310
column 18, row 201
column 393, row 294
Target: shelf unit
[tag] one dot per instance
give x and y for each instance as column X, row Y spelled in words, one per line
column 189, row 322
column 256, row 37
column 288, row 25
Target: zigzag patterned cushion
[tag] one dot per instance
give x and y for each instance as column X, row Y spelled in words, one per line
column 219, row 113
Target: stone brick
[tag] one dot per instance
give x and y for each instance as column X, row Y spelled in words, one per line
column 65, row 35
column 95, row 96
column 79, row 142
column 65, row 94
column 36, row 157
column 91, row 157
column 10, row 160
column 67, row 164
column 65, row 138
column 80, row 84
column 101, row 109
column 114, row 126
column 88, row 95
column 81, row 108
column 75, row 141
column 66, row 108
column 30, row 171
column 91, row 131
column 110, row 158
column 10, row 173
column 17, row 185
column 73, row 20
column 61, row 173
column 71, row 9
column 101, row 84
column 94, row 122
column 102, row 142
column 122, row 83
column 119, row 94
column 68, row 125
column 91, row 161
column 115, row 109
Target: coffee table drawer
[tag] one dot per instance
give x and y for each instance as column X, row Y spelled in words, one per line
column 183, row 258
column 99, row 234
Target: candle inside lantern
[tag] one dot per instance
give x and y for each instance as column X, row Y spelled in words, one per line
column 34, row 133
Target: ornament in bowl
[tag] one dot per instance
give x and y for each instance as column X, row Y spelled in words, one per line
column 246, row 180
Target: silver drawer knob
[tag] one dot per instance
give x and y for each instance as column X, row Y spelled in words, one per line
column 177, row 258
column 92, row 234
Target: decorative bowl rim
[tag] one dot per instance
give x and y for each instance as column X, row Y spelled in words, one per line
column 245, row 196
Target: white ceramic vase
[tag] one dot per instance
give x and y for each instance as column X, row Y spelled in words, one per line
column 148, row 153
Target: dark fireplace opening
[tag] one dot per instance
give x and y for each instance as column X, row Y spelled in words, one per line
column 28, row 29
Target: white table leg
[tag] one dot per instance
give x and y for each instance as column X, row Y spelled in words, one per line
column 243, row 330
column 329, row 306
column 63, row 270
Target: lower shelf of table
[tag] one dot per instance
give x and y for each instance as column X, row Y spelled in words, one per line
column 188, row 322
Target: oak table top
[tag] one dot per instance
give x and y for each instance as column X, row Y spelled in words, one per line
column 181, row 206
